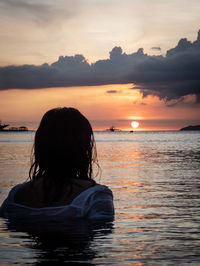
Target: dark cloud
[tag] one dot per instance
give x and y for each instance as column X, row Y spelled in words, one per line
column 139, row 103
column 156, row 48
column 112, row 91
column 173, row 103
column 170, row 78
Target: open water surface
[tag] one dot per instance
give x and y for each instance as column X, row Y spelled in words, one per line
column 155, row 179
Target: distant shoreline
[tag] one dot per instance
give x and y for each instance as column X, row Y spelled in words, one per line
column 11, row 130
column 109, row 132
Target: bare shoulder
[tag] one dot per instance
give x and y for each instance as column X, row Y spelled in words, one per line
column 26, row 193
column 25, row 187
column 83, row 183
column 32, row 193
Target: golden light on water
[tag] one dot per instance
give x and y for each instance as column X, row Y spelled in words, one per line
column 135, row 124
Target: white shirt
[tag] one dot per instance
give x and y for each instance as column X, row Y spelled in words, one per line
column 94, row 203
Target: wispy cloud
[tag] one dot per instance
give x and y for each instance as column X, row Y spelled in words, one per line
column 40, row 12
column 112, row 91
column 156, row 48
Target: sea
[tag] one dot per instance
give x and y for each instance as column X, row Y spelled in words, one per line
column 155, row 179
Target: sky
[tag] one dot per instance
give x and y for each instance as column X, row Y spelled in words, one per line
column 115, row 61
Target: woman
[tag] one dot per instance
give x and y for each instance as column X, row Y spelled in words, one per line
column 61, row 184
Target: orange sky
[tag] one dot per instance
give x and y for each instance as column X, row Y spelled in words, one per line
column 38, row 32
column 118, row 108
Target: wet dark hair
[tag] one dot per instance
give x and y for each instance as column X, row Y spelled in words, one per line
column 64, row 149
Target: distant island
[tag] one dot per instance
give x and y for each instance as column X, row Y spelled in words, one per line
column 4, row 129
column 197, row 127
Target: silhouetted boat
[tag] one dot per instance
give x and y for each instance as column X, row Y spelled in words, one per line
column 2, row 126
column 113, row 129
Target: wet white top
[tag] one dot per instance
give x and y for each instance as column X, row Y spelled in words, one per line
column 93, row 203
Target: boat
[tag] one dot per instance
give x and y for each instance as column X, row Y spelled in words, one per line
column 2, row 126
column 113, row 129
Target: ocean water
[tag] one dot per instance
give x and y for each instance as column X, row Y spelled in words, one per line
column 155, row 179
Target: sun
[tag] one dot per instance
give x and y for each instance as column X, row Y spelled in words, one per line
column 135, row 124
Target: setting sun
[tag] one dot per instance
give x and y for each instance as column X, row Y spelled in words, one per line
column 135, row 124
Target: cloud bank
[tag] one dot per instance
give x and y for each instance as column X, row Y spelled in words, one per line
column 169, row 77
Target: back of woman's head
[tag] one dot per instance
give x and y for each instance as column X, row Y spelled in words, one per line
column 64, row 146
